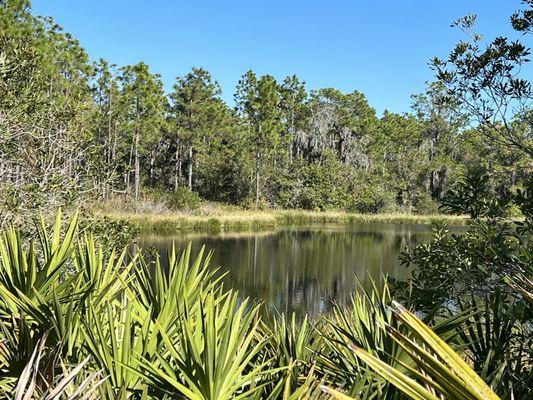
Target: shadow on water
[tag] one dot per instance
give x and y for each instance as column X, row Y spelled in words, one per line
column 302, row 269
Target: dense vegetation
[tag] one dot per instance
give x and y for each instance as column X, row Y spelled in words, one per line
column 82, row 321
column 76, row 130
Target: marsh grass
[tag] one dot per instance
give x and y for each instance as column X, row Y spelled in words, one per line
column 247, row 220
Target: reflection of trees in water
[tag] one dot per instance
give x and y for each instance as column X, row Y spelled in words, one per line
column 304, row 270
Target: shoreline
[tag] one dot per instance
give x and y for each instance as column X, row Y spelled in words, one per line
column 251, row 220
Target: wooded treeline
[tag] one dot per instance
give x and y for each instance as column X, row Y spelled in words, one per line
column 72, row 129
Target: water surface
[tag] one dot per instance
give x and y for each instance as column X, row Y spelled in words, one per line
column 303, row 269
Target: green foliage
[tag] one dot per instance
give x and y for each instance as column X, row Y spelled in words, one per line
column 196, row 113
column 183, row 199
column 209, row 356
column 522, row 20
column 28, row 387
column 259, row 103
column 485, row 271
column 44, row 102
column 110, row 233
column 487, row 82
column 471, row 270
column 134, row 327
column 438, row 371
column 317, row 186
column 281, row 146
column 371, row 197
column 72, row 309
column 363, row 324
column 402, row 150
column 289, row 351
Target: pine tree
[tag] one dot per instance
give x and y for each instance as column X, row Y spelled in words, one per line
column 144, row 106
column 195, row 110
column 258, row 101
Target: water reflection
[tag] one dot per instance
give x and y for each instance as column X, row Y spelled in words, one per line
column 303, row 269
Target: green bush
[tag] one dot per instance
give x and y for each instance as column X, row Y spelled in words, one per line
column 370, row 198
column 183, row 199
column 320, row 185
column 424, row 204
column 110, row 233
column 485, row 272
column 213, row 225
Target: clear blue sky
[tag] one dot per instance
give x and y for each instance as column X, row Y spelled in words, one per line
column 380, row 48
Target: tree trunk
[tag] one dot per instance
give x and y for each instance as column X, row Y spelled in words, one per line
column 292, row 137
column 137, row 167
column 177, row 166
column 257, row 165
column 190, row 166
column 109, row 149
column 127, row 172
column 137, row 161
column 152, row 170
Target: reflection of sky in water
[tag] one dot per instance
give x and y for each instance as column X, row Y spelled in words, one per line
column 302, row 269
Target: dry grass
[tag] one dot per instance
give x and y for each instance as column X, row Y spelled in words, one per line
column 218, row 219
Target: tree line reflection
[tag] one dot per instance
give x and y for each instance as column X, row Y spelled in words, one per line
column 303, row 269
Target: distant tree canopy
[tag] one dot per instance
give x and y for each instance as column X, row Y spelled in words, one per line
column 74, row 130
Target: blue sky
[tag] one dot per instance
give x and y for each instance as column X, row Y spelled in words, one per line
column 380, row 48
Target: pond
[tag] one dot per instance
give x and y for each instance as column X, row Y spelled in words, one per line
column 303, row 269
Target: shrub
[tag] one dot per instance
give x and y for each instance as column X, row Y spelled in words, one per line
column 473, row 273
column 370, row 198
column 183, row 199
column 110, row 233
column 321, row 185
column 424, row 204
column 213, row 225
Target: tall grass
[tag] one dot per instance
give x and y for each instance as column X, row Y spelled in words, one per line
column 79, row 321
column 246, row 220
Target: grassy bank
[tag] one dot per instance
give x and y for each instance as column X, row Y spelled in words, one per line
column 249, row 220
